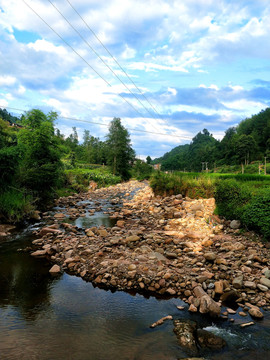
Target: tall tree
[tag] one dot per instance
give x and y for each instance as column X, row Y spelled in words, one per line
column 41, row 165
column 120, row 153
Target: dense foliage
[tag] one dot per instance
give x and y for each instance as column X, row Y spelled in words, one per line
column 248, row 142
column 38, row 163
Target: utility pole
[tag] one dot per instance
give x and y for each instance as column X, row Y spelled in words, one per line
column 202, row 166
column 215, row 167
column 206, row 168
column 259, row 168
column 265, row 165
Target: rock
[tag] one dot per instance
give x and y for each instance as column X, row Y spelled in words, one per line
column 267, row 274
column 247, row 324
column 132, row 238
column 185, row 332
column 210, row 256
column 219, row 287
column 49, row 230
column 265, row 282
column 230, row 296
column 55, row 270
column 262, row 287
column 238, row 282
column 171, row 255
column 171, row 291
column 39, row 253
column 59, row 216
column 255, row 313
column 35, row 215
column 250, row 284
column 103, row 232
column 90, row 233
column 206, row 339
column 207, row 304
column 235, row 224
column 161, row 321
column 192, row 308
column 120, row 223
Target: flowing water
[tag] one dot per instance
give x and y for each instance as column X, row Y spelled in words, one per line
column 48, row 318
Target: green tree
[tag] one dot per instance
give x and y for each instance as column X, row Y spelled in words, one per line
column 148, row 160
column 245, row 148
column 41, row 165
column 120, row 154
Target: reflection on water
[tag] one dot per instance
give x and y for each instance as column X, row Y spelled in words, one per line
column 66, row 318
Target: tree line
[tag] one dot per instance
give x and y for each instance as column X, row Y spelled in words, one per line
column 34, row 155
column 247, row 142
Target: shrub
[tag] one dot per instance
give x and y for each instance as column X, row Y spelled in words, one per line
column 230, row 197
column 256, row 214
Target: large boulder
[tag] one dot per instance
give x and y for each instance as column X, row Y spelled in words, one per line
column 185, row 331
column 206, row 339
column 207, row 304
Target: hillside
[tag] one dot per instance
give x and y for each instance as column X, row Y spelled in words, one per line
column 248, row 142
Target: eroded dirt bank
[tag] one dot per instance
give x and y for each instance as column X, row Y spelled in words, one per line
column 165, row 246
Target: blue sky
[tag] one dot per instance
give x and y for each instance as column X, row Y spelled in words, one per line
column 196, row 64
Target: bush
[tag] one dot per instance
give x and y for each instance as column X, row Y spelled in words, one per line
column 256, row 214
column 192, row 186
column 230, row 197
column 141, row 170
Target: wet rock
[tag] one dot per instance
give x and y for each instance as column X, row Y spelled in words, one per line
column 230, row 296
column 256, row 313
column 206, row 339
column 39, row 253
column 49, row 230
column 185, row 332
column 161, row 321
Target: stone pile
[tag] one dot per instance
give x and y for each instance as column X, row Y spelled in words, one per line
column 170, row 246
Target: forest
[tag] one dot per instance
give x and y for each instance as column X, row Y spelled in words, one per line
column 243, row 144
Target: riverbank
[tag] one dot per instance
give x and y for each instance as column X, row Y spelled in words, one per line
column 169, row 246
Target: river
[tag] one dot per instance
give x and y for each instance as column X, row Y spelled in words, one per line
column 47, row 318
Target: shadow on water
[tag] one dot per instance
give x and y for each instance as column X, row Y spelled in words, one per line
column 24, row 281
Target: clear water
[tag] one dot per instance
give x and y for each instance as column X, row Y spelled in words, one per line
column 45, row 318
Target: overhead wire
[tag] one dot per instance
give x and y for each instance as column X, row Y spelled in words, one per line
column 81, row 57
column 115, row 60
column 96, row 53
column 102, row 124
column 130, row 104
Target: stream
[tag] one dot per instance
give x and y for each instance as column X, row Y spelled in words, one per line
column 48, row 318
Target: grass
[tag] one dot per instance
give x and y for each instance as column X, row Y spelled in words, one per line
column 15, row 205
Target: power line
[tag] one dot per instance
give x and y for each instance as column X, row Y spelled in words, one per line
column 80, row 56
column 115, row 60
column 96, row 53
column 107, row 125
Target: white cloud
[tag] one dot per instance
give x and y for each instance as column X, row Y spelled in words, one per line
column 7, row 80
column 128, row 53
column 46, row 46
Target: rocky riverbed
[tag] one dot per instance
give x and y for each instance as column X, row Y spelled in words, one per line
column 170, row 246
